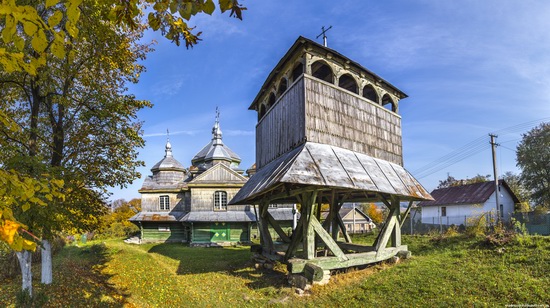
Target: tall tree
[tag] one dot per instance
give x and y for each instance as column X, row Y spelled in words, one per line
column 76, row 123
column 514, row 181
column 533, row 157
column 65, row 89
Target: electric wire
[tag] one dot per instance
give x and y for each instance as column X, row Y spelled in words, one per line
column 473, row 147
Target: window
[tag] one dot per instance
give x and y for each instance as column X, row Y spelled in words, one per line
column 261, row 113
column 443, row 211
column 164, row 203
column 220, row 201
column 322, row 71
column 347, row 82
column 282, row 87
column 370, row 93
column 297, row 71
column 272, row 206
column 270, row 101
column 389, row 103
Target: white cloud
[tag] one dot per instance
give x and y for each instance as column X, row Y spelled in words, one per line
column 232, row 132
column 180, row 132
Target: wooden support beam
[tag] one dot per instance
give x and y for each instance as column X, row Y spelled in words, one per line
column 297, row 237
column 355, row 247
column 296, row 265
column 405, row 214
column 396, row 232
column 313, row 272
column 267, row 241
column 327, row 239
column 343, row 227
column 383, row 237
column 308, row 210
column 277, row 228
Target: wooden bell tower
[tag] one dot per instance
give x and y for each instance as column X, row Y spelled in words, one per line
column 328, row 132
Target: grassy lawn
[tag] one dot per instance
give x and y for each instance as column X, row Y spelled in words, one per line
column 455, row 271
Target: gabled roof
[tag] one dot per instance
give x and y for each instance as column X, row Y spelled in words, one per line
column 315, row 164
column 345, row 211
column 466, row 194
column 219, row 173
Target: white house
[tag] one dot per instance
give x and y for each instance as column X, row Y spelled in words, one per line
column 457, row 204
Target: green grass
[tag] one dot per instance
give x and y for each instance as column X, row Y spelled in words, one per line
column 451, row 271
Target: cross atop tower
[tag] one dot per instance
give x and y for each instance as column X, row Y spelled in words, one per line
column 324, row 34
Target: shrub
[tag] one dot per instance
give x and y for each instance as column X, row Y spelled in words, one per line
column 476, row 226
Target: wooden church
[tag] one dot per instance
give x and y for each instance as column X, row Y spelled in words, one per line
column 190, row 205
column 328, row 132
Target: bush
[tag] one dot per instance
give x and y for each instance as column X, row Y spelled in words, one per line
column 117, row 230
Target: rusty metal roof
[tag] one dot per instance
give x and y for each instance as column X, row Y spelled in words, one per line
column 466, row 194
column 330, row 166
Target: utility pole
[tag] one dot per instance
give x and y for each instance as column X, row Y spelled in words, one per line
column 495, row 171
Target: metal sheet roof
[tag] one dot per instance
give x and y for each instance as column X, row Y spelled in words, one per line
column 329, row 166
column 157, row 216
column 466, row 194
column 211, row 216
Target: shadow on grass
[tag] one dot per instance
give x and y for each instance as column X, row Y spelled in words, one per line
column 80, row 279
column 235, row 261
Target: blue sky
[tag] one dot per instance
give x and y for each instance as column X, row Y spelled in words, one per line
column 469, row 67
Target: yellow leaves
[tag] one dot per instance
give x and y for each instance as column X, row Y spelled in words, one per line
column 39, row 41
column 30, row 28
column 209, row 7
column 8, row 230
column 45, row 36
column 55, row 19
column 50, row 3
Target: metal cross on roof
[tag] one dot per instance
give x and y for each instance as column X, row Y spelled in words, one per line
column 324, row 34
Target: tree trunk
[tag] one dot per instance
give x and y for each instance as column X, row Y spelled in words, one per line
column 25, row 259
column 46, row 277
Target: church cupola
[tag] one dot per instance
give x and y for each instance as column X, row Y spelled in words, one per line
column 168, row 173
column 215, row 152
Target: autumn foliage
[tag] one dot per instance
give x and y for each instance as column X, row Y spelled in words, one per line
column 374, row 213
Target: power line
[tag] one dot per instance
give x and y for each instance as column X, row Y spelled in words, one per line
column 473, row 147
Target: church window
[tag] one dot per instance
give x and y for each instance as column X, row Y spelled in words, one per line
column 322, row 71
column 282, row 87
column 388, row 103
column 347, row 82
column 220, row 201
column 164, row 203
column 369, row 93
column 261, row 113
column 271, row 100
column 297, row 71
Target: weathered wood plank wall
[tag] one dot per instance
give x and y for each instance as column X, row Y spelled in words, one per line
column 202, row 199
column 337, row 117
column 320, row 112
column 283, row 127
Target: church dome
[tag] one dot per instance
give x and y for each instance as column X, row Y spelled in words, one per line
column 168, row 163
column 216, row 150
